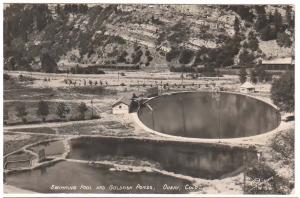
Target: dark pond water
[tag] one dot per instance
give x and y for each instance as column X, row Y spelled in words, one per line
column 51, row 148
column 68, row 174
column 201, row 115
column 17, row 165
column 18, row 160
column 197, row 160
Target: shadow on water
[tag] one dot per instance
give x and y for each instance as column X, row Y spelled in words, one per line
column 51, row 148
column 209, row 161
column 71, row 177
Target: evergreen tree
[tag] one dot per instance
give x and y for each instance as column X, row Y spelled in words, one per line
column 253, row 41
column 83, row 8
column 43, row 16
column 289, row 17
column 253, row 77
column 21, row 112
column 58, row 9
column 62, row 109
column 74, row 8
column 82, row 108
column 243, row 75
column 270, row 18
column 261, row 22
column 48, row 63
column 261, row 73
column 186, row 56
column 277, row 21
column 268, row 33
column 236, row 25
column 246, row 58
column 43, row 110
column 283, row 92
column 283, row 39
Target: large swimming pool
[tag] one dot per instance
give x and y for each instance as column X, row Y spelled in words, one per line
column 208, row 115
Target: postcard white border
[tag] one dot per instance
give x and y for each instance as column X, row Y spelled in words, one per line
column 297, row 92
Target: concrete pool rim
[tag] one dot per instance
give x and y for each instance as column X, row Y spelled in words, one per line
column 192, row 139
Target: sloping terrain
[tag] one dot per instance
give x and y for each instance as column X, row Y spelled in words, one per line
column 61, row 36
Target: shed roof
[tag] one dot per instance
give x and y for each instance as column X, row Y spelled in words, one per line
column 247, row 85
column 286, row 60
column 124, row 100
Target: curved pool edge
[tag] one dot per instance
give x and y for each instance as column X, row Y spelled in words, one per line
column 239, row 140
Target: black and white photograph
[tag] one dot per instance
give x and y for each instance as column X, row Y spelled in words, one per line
column 148, row 99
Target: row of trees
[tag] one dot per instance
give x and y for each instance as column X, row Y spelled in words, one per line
column 258, row 74
column 73, row 8
column 43, row 110
column 85, row 82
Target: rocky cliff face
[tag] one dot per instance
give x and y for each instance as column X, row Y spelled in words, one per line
column 144, row 35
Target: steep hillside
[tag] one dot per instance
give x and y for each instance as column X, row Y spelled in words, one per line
column 64, row 35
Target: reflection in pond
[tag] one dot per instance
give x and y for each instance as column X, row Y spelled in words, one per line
column 208, row 161
column 51, row 148
column 17, row 165
column 205, row 115
column 65, row 175
column 18, row 160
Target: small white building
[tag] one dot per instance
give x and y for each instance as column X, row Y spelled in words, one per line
column 247, row 87
column 121, row 106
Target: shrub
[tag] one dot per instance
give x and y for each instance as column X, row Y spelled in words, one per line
column 283, row 40
column 99, row 90
column 268, row 33
column 82, row 108
column 246, row 58
column 62, row 109
column 136, row 56
column 264, row 180
column 186, row 56
column 43, row 110
column 21, row 112
column 283, row 144
column 253, row 77
column 172, row 54
column 282, row 92
column 48, row 63
column 6, row 77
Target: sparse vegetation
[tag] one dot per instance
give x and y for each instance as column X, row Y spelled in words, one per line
column 263, row 175
column 50, row 26
column 264, row 180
